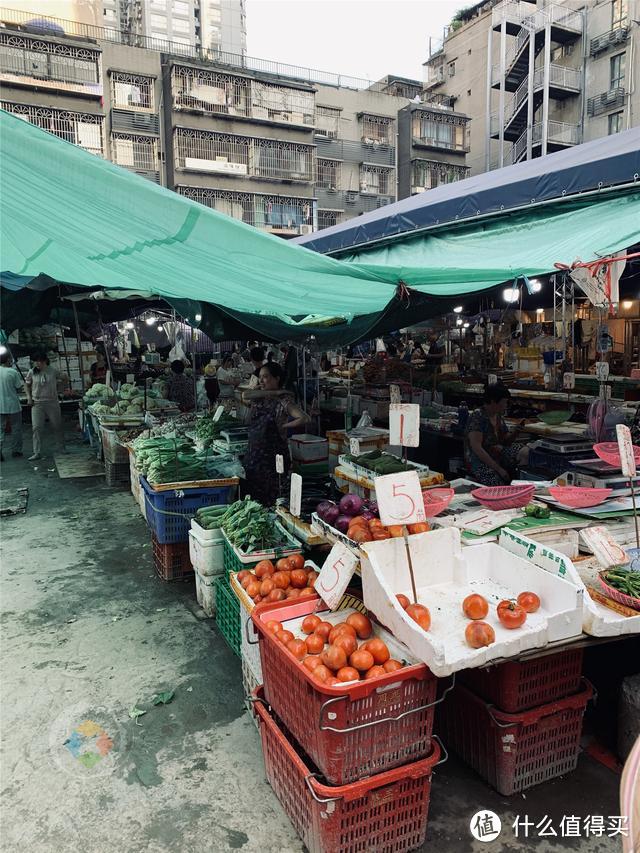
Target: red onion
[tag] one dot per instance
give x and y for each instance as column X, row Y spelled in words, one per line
column 342, row 523
column 366, row 513
column 322, row 508
column 350, row 505
column 331, row 515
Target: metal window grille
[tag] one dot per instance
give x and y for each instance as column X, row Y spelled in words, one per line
column 131, row 91
column 285, row 214
column 377, row 128
column 82, row 129
column 139, row 153
column 441, row 130
column 329, row 173
column 427, row 174
column 375, row 180
column 45, row 60
column 327, row 121
column 327, row 218
column 264, row 158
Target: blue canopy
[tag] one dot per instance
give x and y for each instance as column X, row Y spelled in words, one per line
column 603, row 163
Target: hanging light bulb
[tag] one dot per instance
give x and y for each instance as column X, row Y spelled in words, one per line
column 465, row 325
column 128, row 325
column 161, row 328
column 151, row 321
column 459, row 321
column 511, row 294
column 458, row 309
column 198, row 318
column 536, row 286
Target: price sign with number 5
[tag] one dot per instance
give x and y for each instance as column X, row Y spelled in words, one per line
column 335, row 574
column 399, row 498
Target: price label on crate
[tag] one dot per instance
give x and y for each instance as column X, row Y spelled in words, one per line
column 404, row 424
column 569, row 381
column 492, row 379
column 394, row 394
column 279, row 464
column 295, row 495
column 625, row 445
column 602, row 371
column 399, row 498
column 337, row 570
column 218, row 413
column 354, row 446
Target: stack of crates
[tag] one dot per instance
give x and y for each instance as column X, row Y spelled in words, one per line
column 518, row 723
column 116, row 458
column 351, row 765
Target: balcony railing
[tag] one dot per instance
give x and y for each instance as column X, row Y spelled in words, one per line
column 228, row 154
column 133, row 92
column 606, row 101
column 558, row 132
column 375, row 180
column 618, row 35
column 37, row 62
column 82, row 129
column 138, row 153
column 435, row 76
column 287, row 215
column 426, row 175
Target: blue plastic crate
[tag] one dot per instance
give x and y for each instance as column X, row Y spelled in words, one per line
column 169, row 512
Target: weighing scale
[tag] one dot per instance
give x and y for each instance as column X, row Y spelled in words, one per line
column 596, row 474
column 565, row 446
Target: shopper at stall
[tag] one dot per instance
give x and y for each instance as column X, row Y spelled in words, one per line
column 43, row 384
column 98, row 370
column 492, row 455
column 180, row 388
column 418, row 354
column 272, row 412
column 10, row 408
column 228, row 379
column 257, row 360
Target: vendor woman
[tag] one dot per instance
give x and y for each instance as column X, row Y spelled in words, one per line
column 272, row 412
column 492, row 455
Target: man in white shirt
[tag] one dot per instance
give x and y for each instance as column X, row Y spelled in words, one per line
column 10, row 408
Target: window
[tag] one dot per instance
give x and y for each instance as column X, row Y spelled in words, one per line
column 135, row 152
column 159, row 22
column 178, row 25
column 427, row 174
column 451, row 69
column 329, row 174
column 131, row 91
column 180, row 8
column 327, row 122
column 615, row 123
column 438, row 133
column 376, row 129
column 327, row 218
column 214, row 15
column 619, row 12
column 159, row 4
column 110, row 14
column 374, row 180
column 616, row 65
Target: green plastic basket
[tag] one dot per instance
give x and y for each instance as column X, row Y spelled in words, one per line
column 234, row 560
column 228, row 614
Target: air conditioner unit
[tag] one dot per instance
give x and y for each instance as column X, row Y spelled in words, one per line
column 305, row 229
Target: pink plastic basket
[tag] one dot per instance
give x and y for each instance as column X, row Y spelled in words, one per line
column 577, row 497
column 436, row 501
column 504, row 497
column 620, row 597
column 609, row 452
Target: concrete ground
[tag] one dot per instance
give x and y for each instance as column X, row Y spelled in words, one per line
column 89, row 633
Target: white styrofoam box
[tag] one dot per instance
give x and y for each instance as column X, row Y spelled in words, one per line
column 566, row 542
column 205, row 555
column 249, row 647
column 597, row 620
column 445, row 574
column 213, row 535
column 308, row 448
column 87, row 345
column 205, row 593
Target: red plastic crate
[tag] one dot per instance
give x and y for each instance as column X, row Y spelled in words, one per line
column 518, row 685
column 386, row 813
column 172, row 561
column 352, row 731
column 515, row 751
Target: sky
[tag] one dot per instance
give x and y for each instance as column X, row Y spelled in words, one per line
column 358, row 38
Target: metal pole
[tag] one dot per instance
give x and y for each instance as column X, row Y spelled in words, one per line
column 545, row 91
column 487, row 143
column 532, row 60
column 80, row 361
column 193, row 367
column 503, row 64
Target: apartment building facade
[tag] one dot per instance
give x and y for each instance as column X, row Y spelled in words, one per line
column 539, row 77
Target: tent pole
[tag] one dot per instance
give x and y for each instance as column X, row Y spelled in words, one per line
column 80, row 360
column 193, row 367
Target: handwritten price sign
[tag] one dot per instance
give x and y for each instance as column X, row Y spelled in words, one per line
column 404, row 424
column 354, row 446
column 394, row 394
column 295, row 495
column 399, row 498
column 625, row 445
column 337, row 570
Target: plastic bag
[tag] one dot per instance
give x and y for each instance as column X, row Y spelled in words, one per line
column 365, row 421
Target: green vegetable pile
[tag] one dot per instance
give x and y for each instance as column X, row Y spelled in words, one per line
column 537, row 511
column 210, row 517
column 208, row 430
column 623, row 580
column 168, row 460
column 379, row 463
column 250, row 527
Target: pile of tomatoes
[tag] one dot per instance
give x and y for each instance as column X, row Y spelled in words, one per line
column 511, row 614
column 333, row 654
column 373, row 530
column 289, row 578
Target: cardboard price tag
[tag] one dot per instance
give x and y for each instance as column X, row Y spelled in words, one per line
column 337, row 570
column 569, row 381
column 279, row 464
column 394, row 394
column 218, row 413
column 404, row 424
column 354, row 446
column 602, row 371
column 492, row 379
column 295, row 495
column 399, row 498
column 625, row 445
column 607, row 552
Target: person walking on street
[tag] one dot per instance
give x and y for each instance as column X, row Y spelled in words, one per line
column 42, row 395
column 10, row 408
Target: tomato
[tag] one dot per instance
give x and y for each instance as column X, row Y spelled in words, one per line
column 360, row 534
column 292, row 593
column 332, row 681
column 358, row 519
column 479, row 634
column 283, row 565
column 307, row 591
column 345, row 641
column 311, row 662
column 298, row 578
column 348, row 673
column 310, row 623
column 475, row 606
column 379, row 535
column 273, row 627
column 311, row 578
column 277, row 595
column 284, row 636
column 281, row 579
column 395, row 531
column 420, row 527
column 340, row 628
column 361, row 660
column 315, row 644
column 334, row 658
column 361, row 624
column 511, row 616
column 374, row 672
column 257, row 599
column 296, row 561
column 242, row 575
column 323, row 629
column 391, row 665
column 247, row 579
column 252, row 589
column 378, row 648
column 529, row 601
column 298, row 649
column 375, row 523
column 404, row 601
column 321, row 673
column 264, row 567
column 420, row 614
column 267, row 586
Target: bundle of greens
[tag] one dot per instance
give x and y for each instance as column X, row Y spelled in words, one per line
column 623, row 580
column 210, row 517
column 379, row 463
column 207, row 430
column 250, row 527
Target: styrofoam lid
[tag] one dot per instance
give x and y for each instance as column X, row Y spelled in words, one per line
column 306, row 438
